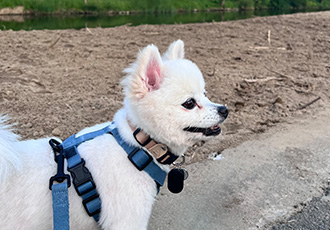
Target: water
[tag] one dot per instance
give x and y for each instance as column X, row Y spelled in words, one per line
column 92, row 21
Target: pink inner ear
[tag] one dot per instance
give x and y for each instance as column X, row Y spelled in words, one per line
column 153, row 75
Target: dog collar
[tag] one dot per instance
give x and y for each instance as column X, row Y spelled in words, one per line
column 160, row 151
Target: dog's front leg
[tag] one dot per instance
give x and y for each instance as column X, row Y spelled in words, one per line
column 131, row 212
column 127, row 201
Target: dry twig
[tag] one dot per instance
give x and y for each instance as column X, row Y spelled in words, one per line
column 54, row 43
column 262, row 79
column 280, row 74
column 309, row 103
column 265, row 48
column 88, row 30
column 269, row 78
column 259, row 47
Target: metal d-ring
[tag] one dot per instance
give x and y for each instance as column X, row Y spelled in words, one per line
column 178, row 164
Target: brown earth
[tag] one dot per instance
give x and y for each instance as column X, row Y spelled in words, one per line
column 264, row 69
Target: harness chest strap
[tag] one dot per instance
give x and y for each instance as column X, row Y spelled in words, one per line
column 141, row 159
column 82, row 178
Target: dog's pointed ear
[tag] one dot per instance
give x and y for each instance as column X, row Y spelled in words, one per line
column 149, row 65
column 146, row 72
column 175, row 51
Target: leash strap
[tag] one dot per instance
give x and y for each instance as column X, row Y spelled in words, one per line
column 60, row 206
column 60, row 191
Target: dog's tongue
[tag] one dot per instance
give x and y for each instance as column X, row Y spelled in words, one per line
column 212, row 131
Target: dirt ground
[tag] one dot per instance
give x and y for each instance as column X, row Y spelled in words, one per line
column 265, row 69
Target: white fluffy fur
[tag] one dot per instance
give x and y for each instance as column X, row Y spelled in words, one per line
column 9, row 158
column 127, row 194
column 175, row 51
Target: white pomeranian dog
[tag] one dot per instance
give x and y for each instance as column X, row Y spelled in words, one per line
column 165, row 111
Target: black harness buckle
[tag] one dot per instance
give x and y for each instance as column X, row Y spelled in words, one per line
column 81, row 178
column 59, row 159
column 83, row 183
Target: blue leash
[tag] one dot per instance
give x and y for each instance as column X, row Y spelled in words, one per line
column 60, row 191
column 60, row 206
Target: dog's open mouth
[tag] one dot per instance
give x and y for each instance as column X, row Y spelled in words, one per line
column 212, row 131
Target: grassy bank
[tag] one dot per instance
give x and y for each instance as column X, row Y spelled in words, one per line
column 48, row 6
column 62, row 6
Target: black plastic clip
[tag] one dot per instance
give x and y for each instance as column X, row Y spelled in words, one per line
column 81, row 176
column 59, row 159
column 83, row 183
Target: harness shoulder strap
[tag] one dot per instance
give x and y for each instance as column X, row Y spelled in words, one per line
column 81, row 177
column 141, row 159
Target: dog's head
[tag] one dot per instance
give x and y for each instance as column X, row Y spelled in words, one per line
column 165, row 97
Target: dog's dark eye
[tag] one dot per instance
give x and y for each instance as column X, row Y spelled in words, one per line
column 189, row 104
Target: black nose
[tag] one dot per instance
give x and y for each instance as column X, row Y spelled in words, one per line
column 223, row 111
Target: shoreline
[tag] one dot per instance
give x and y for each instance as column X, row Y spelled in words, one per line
column 19, row 10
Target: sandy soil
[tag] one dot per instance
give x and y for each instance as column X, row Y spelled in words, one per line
column 264, row 69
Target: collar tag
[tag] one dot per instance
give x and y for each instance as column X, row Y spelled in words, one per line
column 158, row 150
column 175, row 180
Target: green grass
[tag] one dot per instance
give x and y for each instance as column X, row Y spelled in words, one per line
column 51, row 6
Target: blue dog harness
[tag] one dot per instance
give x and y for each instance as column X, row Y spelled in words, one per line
column 82, row 178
